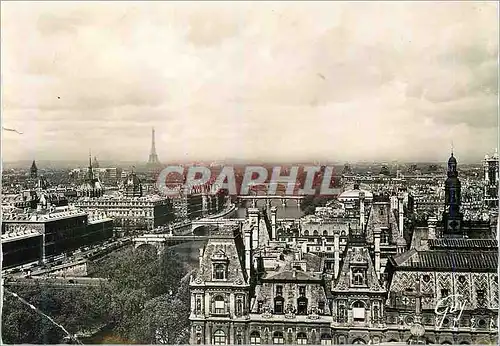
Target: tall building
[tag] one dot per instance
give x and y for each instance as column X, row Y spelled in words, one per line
column 153, row 161
column 92, row 186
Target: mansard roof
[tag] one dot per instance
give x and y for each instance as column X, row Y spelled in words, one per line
column 381, row 216
column 292, row 275
column 355, row 256
column 439, row 260
column 222, row 245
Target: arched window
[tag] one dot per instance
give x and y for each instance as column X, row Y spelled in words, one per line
column 219, row 337
column 325, row 232
column 359, row 342
column 255, row 338
column 306, row 233
column 219, row 305
column 301, row 339
column 358, row 311
column 315, row 232
column 278, row 305
column 278, row 338
column 326, row 339
column 219, row 272
column 302, row 306
column 446, row 343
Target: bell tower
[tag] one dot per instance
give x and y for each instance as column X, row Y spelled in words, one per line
column 452, row 217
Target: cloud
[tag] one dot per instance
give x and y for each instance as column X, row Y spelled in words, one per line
column 336, row 81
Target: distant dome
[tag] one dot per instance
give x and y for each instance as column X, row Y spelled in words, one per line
column 354, row 194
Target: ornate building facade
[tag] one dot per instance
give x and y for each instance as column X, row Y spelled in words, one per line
column 258, row 284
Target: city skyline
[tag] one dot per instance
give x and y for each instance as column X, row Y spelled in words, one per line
column 289, row 82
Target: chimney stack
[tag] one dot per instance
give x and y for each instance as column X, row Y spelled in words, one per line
column 432, row 221
column 248, row 249
column 253, row 215
column 336, row 249
column 376, row 235
column 274, row 211
column 401, row 214
column 362, row 211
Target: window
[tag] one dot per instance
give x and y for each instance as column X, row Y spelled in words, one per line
column 220, row 305
column 259, row 306
column 279, row 291
column 219, row 337
column 321, row 307
column 302, row 306
column 278, row 305
column 302, row 291
column 359, row 342
column 325, row 232
column 326, row 339
column 255, row 338
column 383, row 237
column 426, row 278
column 306, row 233
column 444, row 292
column 278, row 338
column 301, row 339
column 315, row 232
column 358, row 277
column 481, row 323
column 219, row 272
column 239, row 307
column 358, row 311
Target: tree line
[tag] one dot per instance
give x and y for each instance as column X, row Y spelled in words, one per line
column 145, row 301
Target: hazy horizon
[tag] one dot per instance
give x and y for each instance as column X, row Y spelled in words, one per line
column 286, row 82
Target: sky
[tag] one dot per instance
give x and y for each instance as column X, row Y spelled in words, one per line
column 251, row 81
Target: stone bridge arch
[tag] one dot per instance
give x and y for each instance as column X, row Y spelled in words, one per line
column 200, row 230
column 157, row 247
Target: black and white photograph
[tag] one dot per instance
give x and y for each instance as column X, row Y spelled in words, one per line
column 249, row 172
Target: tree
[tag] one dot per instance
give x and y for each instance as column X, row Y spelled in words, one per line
column 164, row 320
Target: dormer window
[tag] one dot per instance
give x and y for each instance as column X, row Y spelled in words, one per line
column 302, row 291
column 279, row 290
column 219, row 271
column 358, row 277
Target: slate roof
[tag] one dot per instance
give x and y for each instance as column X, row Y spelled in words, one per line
column 287, row 275
column 377, row 220
column 222, row 245
column 355, row 255
column 449, row 260
column 458, row 243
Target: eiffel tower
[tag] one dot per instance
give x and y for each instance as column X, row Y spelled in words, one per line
column 153, row 156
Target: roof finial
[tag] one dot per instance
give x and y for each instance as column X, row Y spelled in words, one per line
column 452, row 148
column 90, row 157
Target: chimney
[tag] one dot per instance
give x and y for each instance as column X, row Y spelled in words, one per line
column 248, row 250
column 432, row 221
column 401, row 214
column 274, row 211
column 253, row 215
column 294, row 273
column 376, row 235
column 336, row 249
column 362, row 210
